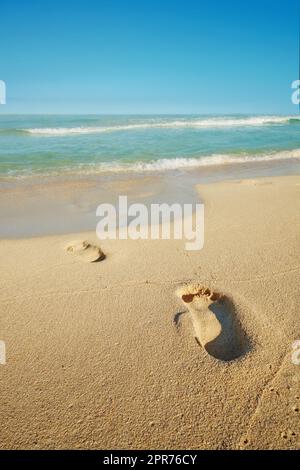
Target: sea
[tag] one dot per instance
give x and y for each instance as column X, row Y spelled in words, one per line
column 50, row 145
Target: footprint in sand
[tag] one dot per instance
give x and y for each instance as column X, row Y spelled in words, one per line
column 215, row 325
column 85, row 251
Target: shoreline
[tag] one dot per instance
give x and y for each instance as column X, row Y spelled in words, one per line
column 213, row 170
column 59, row 206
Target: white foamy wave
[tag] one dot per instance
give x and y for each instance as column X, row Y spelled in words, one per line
column 181, row 163
column 163, row 164
column 212, row 160
column 216, row 122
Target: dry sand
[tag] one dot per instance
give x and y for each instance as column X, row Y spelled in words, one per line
column 96, row 360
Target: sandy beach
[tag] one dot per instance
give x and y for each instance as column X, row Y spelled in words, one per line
column 103, row 355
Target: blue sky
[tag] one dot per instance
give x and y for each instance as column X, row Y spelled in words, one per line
column 149, row 56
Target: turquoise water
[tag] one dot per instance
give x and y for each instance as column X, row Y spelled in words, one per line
column 47, row 145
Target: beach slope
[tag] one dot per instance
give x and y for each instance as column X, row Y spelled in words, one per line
column 103, row 354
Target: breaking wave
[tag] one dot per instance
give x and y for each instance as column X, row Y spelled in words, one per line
column 160, row 165
column 213, row 122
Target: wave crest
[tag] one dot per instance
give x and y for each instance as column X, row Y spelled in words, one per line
column 160, row 165
column 216, row 122
column 211, row 160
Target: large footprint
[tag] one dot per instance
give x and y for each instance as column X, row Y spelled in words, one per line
column 215, row 325
column 85, row 251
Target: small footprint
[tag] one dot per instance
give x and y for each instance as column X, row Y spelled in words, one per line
column 85, row 251
column 215, row 325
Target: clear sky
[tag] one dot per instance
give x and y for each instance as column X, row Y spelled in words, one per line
column 149, row 56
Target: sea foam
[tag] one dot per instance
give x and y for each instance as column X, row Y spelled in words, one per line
column 214, row 122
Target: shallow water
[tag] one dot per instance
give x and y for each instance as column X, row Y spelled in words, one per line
column 54, row 205
column 89, row 145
